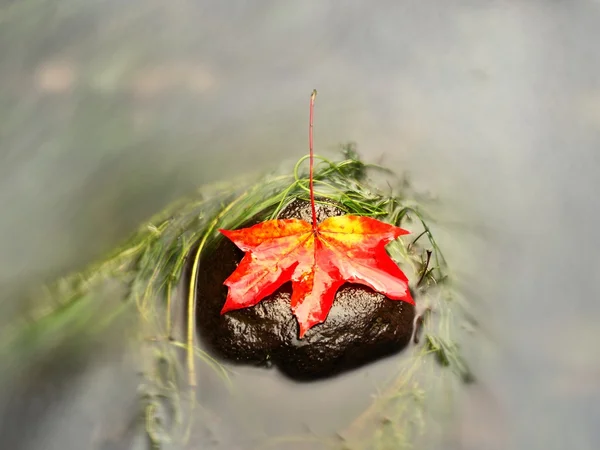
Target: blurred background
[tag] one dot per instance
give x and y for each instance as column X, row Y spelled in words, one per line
column 111, row 109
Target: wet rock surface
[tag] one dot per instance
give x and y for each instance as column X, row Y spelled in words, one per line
column 362, row 325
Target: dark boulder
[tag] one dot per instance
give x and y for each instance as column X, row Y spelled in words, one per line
column 361, row 327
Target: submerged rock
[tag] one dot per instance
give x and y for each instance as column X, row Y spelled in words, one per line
column 361, row 327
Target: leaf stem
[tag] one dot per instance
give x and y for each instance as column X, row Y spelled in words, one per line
column 310, row 146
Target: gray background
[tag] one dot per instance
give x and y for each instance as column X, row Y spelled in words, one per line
column 112, row 108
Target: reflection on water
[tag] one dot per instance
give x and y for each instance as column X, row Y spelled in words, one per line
column 263, row 405
column 111, row 109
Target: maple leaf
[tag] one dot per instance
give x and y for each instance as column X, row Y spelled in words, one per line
column 317, row 259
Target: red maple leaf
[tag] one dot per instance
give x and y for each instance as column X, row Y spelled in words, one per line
column 317, row 258
column 317, row 261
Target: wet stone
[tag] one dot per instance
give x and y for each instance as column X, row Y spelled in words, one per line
column 361, row 327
